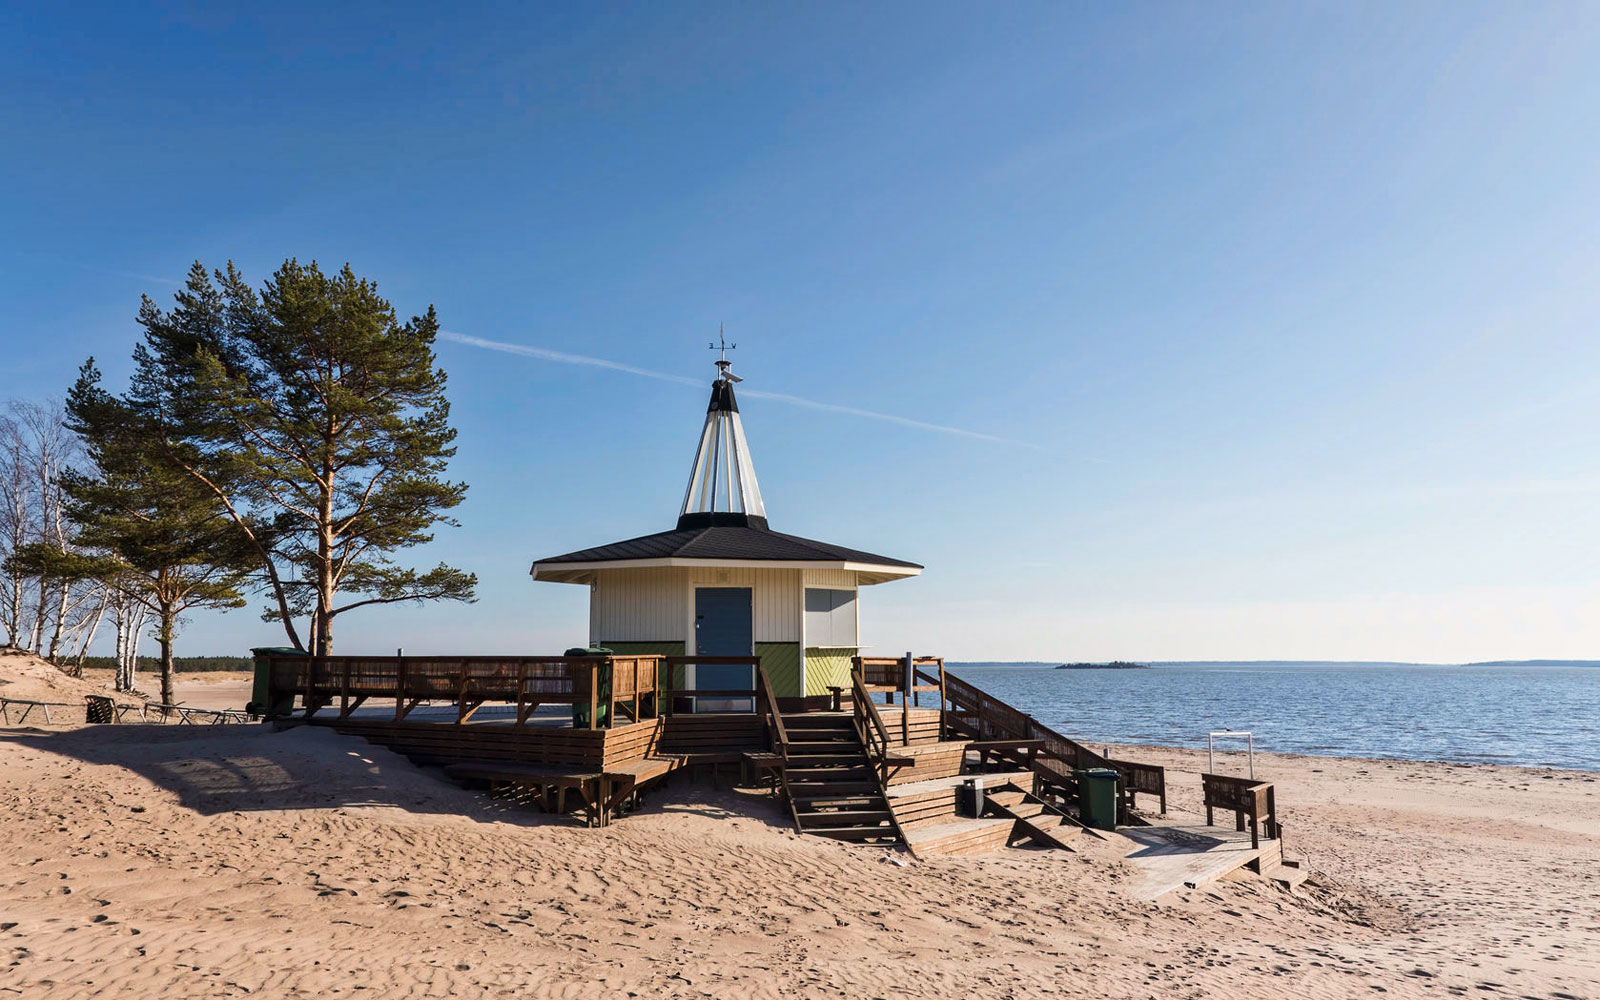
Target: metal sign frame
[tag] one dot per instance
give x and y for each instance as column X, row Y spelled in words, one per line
column 1211, row 748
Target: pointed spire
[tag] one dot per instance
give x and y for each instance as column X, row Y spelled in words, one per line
column 722, row 482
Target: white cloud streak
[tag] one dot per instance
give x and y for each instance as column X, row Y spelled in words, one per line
column 561, row 357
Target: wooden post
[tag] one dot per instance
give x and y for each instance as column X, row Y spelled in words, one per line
column 344, row 690
column 943, row 730
column 522, row 691
column 636, row 690
column 399, row 686
column 905, row 700
column 311, row 673
column 594, row 696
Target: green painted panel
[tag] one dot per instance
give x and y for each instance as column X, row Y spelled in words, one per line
column 781, row 661
column 825, row 668
column 663, row 648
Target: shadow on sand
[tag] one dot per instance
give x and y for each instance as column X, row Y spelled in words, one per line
column 224, row 769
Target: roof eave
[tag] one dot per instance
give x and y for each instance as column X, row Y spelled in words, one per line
column 582, row 572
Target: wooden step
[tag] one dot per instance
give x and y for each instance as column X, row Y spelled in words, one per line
column 1048, row 831
column 812, row 791
column 960, row 837
column 809, row 760
column 803, row 805
column 856, row 832
column 1289, row 874
column 829, row 772
column 859, row 817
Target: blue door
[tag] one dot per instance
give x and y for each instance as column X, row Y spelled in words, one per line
column 723, row 627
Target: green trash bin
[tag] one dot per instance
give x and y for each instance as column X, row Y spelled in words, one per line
column 284, row 705
column 1097, row 797
column 580, row 712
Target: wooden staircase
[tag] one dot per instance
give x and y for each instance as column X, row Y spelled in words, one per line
column 1036, row 820
column 830, row 782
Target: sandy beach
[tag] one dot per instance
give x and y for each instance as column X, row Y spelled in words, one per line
column 145, row 861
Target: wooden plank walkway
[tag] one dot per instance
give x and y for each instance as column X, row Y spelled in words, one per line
column 1174, row 855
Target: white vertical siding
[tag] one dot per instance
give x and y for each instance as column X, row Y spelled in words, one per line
column 638, row 605
column 657, row 603
column 836, row 579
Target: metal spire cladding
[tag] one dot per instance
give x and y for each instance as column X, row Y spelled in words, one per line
column 722, row 487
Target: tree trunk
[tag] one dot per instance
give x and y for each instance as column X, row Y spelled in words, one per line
column 36, row 638
column 14, row 610
column 164, row 637
column 88, row 639
column 61, row 623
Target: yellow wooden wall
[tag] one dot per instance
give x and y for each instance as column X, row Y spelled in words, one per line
column 827, row 667
column 781, row 661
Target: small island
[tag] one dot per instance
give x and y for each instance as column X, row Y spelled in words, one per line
column 1113, row 665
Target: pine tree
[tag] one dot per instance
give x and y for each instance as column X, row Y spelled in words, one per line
column 319, row 423
column 167, row 542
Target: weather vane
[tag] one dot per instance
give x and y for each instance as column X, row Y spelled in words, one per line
column 723, row 364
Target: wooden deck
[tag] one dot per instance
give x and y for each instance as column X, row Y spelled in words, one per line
column 847, row 766
column 1172, row 856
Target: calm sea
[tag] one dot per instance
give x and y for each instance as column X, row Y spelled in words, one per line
column 1536, row 716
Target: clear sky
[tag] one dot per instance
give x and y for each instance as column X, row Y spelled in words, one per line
column 1274, row 324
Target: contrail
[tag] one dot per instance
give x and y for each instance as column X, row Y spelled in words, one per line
column 561, row 357
column 545, row 354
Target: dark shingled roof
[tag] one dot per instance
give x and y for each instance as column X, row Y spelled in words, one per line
column 725, row 542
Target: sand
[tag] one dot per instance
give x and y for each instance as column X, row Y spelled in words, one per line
column 235, row 861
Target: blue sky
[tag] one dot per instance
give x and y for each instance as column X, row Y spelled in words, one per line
column 1285, row 314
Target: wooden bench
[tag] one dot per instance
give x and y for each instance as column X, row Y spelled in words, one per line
column 1247, row 798
column 765, row 766
column 603, row 793
column 549, row 786
column 1149, row 779
column 623, row 783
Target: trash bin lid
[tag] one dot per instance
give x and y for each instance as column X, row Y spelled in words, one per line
column 1099, row 773
column 277, row 651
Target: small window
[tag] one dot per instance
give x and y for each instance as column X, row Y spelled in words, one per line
column 830, row 617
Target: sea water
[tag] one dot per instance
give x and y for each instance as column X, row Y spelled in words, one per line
column 1539, row 716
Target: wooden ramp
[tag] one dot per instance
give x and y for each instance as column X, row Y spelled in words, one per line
column 1172, row 856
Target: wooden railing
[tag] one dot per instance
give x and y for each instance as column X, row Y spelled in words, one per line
column 869, row 726
column 1246, row 797
column 675, row 689
column 599, row 684
column 898, row 676
column 767, row 704
column 980, row 716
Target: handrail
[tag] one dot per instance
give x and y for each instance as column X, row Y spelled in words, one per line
column 869, row 725
column 860, row 696
column 995, row 717
column 781, row 736
column 1245, row 797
